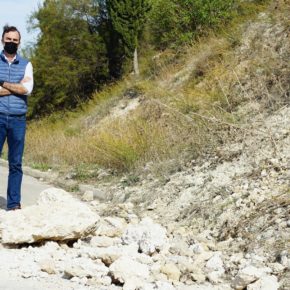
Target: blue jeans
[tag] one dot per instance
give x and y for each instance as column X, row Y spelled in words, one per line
column 13, row 129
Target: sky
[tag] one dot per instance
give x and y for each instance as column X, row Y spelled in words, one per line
column 16, row 13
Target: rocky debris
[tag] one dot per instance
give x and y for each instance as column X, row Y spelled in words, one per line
column 57, row 216
column 143, row 255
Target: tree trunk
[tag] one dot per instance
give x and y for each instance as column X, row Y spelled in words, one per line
column 136, row 64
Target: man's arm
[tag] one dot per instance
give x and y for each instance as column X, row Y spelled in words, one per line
column 4, row 92
column 14, row 88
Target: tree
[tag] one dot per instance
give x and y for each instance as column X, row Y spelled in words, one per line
column 69, row 61
column 128, row 18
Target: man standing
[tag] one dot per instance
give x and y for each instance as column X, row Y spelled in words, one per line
column 16, row 83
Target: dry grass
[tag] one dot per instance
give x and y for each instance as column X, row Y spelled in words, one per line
column 149, row 134
column 255, row 224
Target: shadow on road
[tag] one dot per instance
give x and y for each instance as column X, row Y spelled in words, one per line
column 2, row 203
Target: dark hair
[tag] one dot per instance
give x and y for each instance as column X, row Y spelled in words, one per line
column 8, row 28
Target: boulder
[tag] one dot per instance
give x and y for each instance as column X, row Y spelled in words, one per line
column 57, row 216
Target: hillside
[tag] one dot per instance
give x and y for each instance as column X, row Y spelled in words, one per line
column 201, row 146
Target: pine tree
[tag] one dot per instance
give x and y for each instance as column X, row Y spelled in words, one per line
column 128, row 18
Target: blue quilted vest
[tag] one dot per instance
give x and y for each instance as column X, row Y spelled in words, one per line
column 13, row 73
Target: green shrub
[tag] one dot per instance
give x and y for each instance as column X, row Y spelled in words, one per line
column 174, row 22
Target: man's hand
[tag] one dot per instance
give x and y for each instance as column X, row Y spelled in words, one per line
column 14, row 88
column 4, row 92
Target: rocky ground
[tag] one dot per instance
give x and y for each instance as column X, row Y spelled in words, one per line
column 221, row 222
column 62, row 243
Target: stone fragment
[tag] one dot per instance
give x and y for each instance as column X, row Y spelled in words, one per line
column 171, row 271
column 104, row 242
column 265, row 283
column 150, row 237
column 88, row 196
column 248, row 275
column 92, row 192
column 215, row 276
column 198, row 276
column 159, row 285
column 133, row 283
column 215, row 263
column 48, row 266
column 206, row 286
column 83, row 267
column 125, row 268
column 113, row 253
column 179, row 247
column 277, row 268
column 111, row 227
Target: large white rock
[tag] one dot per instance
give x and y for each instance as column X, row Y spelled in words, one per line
column 150, row 237
column 248, row 275
column 125, row 268
column 215, row 263
column 57, row 216
column 265, row 283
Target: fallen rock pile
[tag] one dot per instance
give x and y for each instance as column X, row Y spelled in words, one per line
column 107, row 253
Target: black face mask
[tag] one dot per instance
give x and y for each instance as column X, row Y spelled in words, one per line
column 10, row 47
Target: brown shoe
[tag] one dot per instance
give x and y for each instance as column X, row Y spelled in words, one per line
column 14, row 208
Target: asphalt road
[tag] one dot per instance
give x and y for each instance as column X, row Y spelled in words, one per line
column 31, row 187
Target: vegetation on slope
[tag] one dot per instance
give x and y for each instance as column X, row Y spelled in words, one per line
column 185, row 108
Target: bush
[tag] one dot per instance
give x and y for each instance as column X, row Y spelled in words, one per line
column 175, row 22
